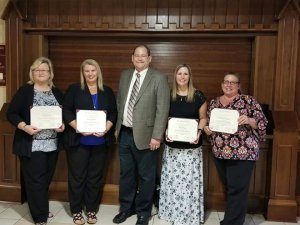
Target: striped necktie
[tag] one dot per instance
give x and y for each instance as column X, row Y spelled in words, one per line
column 132, row 99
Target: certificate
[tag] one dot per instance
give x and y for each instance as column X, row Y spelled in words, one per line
column 90, row 121
column 224, row 120
column 180, row 129
column 46, row 117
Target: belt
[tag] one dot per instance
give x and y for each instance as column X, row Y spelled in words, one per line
column 126, row 128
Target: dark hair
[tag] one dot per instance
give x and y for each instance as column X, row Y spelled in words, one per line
column 142, row 45
column 233, row 74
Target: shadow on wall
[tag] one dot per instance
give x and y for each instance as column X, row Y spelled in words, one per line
column 268, row 114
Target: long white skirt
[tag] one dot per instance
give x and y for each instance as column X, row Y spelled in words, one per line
column 181, row 195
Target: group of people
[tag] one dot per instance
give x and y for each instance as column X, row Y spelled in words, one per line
column 139, row 118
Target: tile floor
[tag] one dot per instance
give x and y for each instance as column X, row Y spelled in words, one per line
column 17, row 214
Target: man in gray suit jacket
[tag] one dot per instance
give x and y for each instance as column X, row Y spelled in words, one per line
column 142, row 118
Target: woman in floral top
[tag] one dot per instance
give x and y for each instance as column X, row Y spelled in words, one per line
column 235, row 154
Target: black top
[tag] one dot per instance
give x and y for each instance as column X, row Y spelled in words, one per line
column 190, row 110
column 76, row 98
column 18, row 111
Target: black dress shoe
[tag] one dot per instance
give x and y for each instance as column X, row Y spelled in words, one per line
column 121, row 217
column 142, row 220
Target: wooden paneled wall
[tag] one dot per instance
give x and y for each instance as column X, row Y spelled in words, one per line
column 209, row 58
column 298, row 180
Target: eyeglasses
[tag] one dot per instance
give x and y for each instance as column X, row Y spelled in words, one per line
column 227, row 82
column 40, row 71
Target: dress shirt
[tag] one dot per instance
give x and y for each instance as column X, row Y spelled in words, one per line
column 142, row 77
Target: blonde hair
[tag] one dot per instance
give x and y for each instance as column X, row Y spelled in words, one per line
column 36, row 64
column 94, row 63
column 191, row 89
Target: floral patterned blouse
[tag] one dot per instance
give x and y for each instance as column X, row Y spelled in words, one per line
column 242, row 145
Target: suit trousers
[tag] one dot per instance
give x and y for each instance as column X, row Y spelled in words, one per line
column 137, row 175
column 85, row 177
column 37, row 172
column 236, row 176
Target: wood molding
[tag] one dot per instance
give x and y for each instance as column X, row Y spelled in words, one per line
column 286, row 62
column 263, row 72
column 287, row 4
column 10, row 178
column 150, row 14
column 282, row 205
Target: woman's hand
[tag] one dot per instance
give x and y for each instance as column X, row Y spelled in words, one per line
column 243, row 119
column 198, row 137
column 207, row 130
column 60, row 129
column 99, row 134
column 167, row 137
column 31, row 129
column 86, row 133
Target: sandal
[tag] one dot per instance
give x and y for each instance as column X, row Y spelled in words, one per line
column 78, row 218
column 91, row 217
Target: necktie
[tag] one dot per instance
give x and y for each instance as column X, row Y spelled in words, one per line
column 132, row 99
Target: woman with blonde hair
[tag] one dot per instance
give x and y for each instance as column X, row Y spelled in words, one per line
column 182, row 193
column 36, row 148
column 86, row 152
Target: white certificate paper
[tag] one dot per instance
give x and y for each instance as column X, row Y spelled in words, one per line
column 224, row 120
column 180, row 129
column 46, row 117
column 90, row 121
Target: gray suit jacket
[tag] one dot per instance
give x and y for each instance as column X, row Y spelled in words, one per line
column 151, row 109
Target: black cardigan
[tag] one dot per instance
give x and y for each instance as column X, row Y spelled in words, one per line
column 76, row 98
column 18, row 111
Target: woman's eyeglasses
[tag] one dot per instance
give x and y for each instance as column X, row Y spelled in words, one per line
column 40, row 71
column 227, row 82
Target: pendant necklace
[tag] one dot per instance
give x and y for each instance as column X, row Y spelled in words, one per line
column 95, row 100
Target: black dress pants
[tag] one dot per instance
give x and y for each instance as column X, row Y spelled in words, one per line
column 37, row 172
column 85, row 177
column 236, row 176
column 138, row 174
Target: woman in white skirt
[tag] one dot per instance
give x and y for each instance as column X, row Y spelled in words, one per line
column 182, row 193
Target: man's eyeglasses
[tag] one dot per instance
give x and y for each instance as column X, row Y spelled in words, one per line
column 227, row 82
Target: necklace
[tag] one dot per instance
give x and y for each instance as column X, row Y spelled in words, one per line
column 95, row 100
column 181, row 97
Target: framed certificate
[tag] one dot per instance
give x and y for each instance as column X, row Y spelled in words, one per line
column 90, row 121
column 181, row 129
column 46, row 117
column 224, row 120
